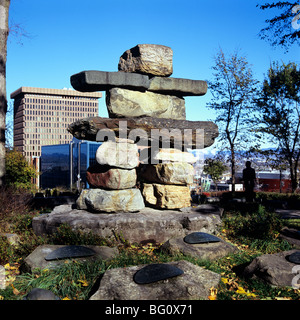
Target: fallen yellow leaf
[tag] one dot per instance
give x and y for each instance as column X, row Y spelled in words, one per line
column 7, row 266
column 84, row 283
column 213, row 294
column 15, row 291
column 66, row 298
column 241, row 290
column 224, row 280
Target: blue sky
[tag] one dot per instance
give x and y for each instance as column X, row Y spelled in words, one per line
column 69, row 36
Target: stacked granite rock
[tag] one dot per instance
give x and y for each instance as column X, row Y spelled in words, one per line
column 143, row 94
column 166, row 185
column 113, row 180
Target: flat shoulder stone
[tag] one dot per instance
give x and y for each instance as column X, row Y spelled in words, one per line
column 178, row 86
column 201, row 134
column 92, row 80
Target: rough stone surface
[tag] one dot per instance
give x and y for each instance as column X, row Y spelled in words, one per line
column 193, row 284
column 203, row 133
column 121, row 155
column 174, row 155
column 92, row 80
column 12, row 238
column 110, row 178
column 178, row 86
column 206, row 251
column 180, row 173
column 129, row 103
column 100, row 200
column 149, row 59
column 37, row 258
column 41, row 294
column 146, row 225
column 166, row 196
column 292, row 236
column 274, row 269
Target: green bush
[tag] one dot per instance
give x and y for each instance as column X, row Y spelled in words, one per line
column 5, row 250
column 260, row 230
column 292, row 199
column 19, row 173
column 259, row 225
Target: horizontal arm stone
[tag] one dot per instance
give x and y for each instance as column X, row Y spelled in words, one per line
column 88, row 128
column 178, row 86
column 89, row 81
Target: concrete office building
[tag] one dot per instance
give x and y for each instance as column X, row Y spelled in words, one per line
column 41, row 116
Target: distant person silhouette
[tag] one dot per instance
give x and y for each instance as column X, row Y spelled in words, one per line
column 249, row 178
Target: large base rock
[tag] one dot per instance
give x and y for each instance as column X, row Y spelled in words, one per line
column 146, row 225
column 274, row 269
column 37, row 258
column 193, row 284
column 204, row 251
column 99, row 200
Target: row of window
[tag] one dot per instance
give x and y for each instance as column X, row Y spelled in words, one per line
column 60, row 102
column 42, row 134
column 59, row 122
column 59, row 114
column 63, row 111
column 60, row 108
column 29, row 132
column 43, row 138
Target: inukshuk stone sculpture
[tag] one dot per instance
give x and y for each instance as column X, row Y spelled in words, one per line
column 146, row 113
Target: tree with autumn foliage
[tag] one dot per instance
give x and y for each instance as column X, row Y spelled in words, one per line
column 233, row 88
column 277, row 116
column 19, row 173
column 215, row 168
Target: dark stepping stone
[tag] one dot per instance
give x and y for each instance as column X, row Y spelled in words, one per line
column 200, row 237
column 156, row 272
column 294, row 257
column 40, row 294
column 70, row 252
